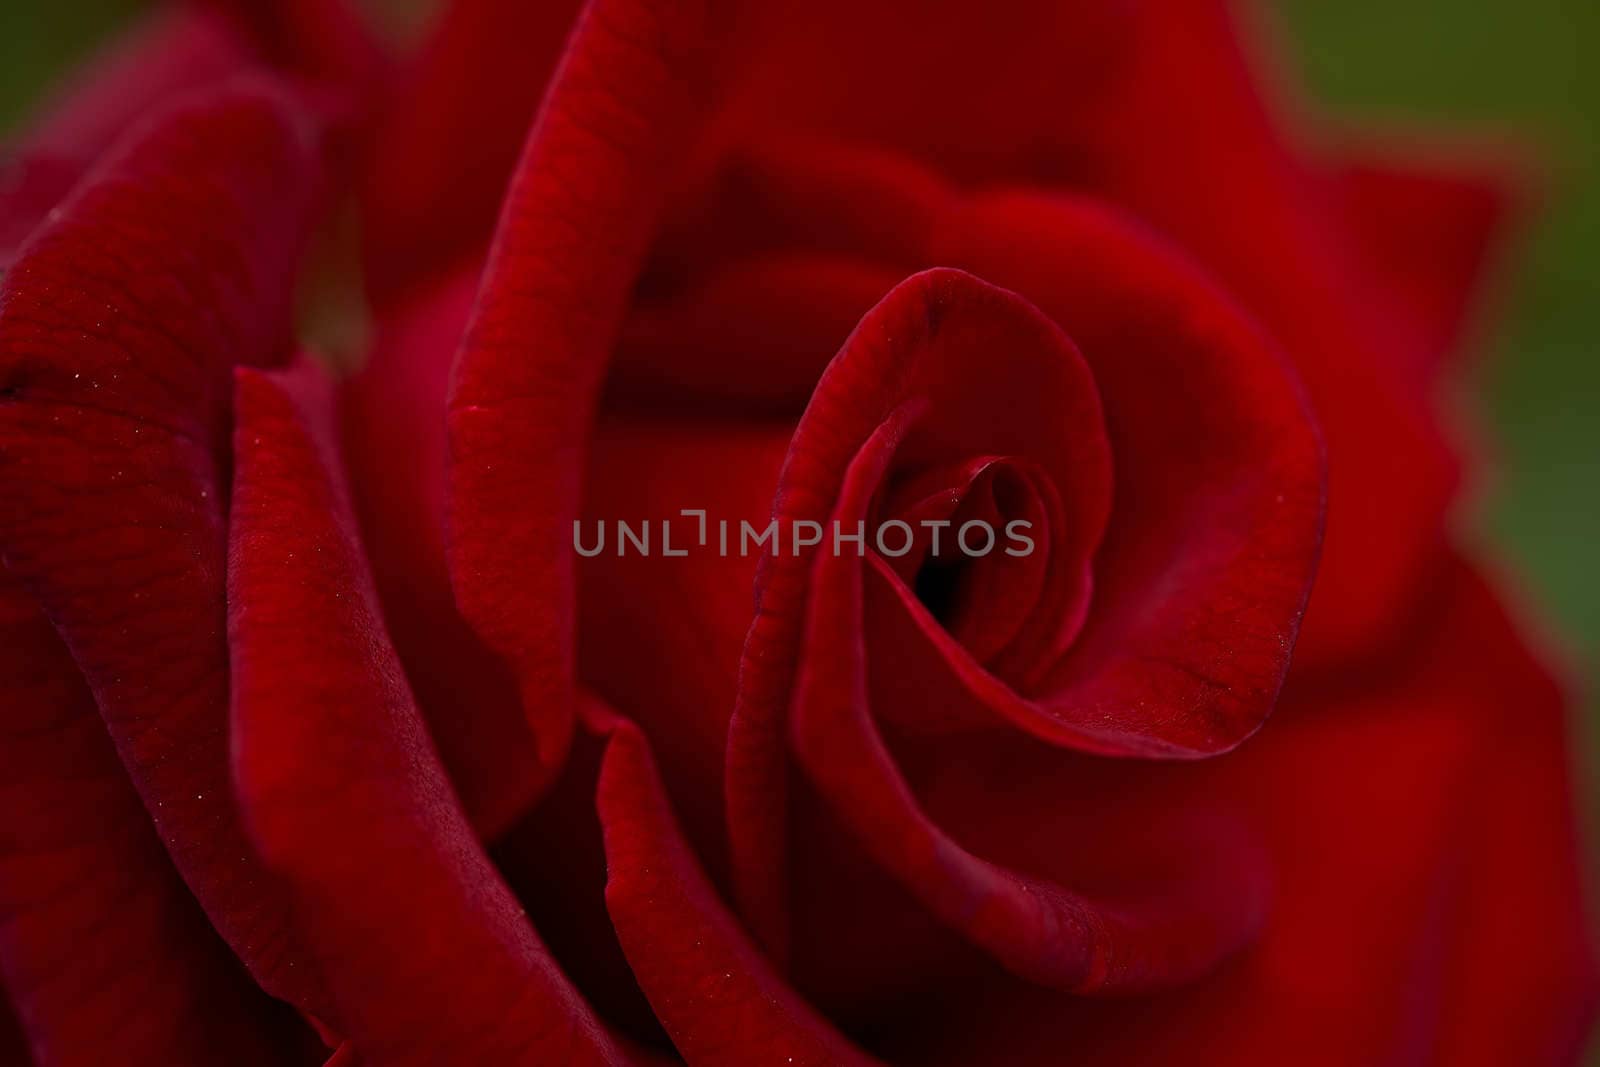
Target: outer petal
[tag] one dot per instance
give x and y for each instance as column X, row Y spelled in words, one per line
column 1430, row 230
column 581, row 209
column 29, row 188
column 1523, row 966
column 984, row 97
column 170, row 53
column 1188, row 139
column 103, row 951
column 118, row 328
column 446, row 148
column 426, row 952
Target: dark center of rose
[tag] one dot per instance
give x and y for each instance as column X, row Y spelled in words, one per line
column 983, row 549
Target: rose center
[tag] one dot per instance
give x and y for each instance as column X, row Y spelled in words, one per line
column 985, row 561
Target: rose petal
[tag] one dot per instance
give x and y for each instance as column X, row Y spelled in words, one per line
column 1523, row 975
column 775, row 196
column 1165, row 118
column 29, row 187
column 326, row 40
column 581, row 208
column 103, row 951
column 1430, row 230
column 1012, row 614
column 392, row 416
column 1188, row 138
column 678, row 682
column 1038, row 929
column 118, row 327
column 566, row 901
column 713, row 990
column 1212, row 545
column 752, row 338
column 169, row 53
column 425, row 951
column 980, row 97
column 1201, row 580
column 1093, row 274
column 449, row 141
column 1372, row 799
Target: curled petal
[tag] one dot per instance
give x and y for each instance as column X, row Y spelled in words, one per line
column 119, row 325
column 581, row 209
column 922, row 344
column 1428, row 908
column 1214, row 538
column 425, row 951
column 1170, row 124
column 1198, row 586
column 1041, row 931
column 1189, row 138
column 718, row 997
column 1240, row 532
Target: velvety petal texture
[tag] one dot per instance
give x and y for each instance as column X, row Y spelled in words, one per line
column 393, row 423
column 573, row 229
column 1382, row 780
column 1191, row 99
column 830, row 534
column 426, row 954
column 103, row 952
column 715, row 993
column 119, row 326
column 1167, row 87
column 923, row 362
column 450, row 138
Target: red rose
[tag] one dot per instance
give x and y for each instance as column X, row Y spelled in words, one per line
column 331, row 733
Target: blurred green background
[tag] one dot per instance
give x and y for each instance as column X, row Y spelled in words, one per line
column 1531, row 67
column 1528, row 67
